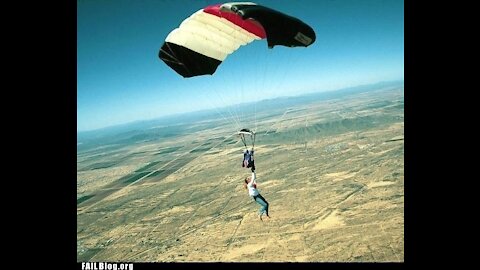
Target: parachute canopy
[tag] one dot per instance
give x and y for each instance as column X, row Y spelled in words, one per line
column 245, row 133
column 203, row 40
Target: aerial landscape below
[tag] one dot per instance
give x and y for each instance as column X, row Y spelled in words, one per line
column 330, row 164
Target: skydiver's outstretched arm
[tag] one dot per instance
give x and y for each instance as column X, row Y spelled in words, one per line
column 252, row 180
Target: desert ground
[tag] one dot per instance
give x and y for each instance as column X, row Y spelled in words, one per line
column 331, row 169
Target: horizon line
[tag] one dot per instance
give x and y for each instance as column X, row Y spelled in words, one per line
column 236, row 104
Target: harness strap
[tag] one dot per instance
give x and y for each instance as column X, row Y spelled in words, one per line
column 243, row 140
column 253, row 137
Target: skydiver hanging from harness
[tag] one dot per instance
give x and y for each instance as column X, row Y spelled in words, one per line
column 250, row 182
column 248, row 159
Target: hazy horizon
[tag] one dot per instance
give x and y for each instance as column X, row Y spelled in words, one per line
column 212, row 109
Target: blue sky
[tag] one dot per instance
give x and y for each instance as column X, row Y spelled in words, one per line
column 120, row 78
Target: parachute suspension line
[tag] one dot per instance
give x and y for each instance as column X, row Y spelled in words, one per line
column 227, row 100
column 229, row 120
column 244, row 141
column 249, row 92
column 235, row 95
column 244, row 73
column 241, row 100
column 270, row 81
column 267, row 59
column 293, row 63
column 253, row 139
column 231, row 107
column 216, row 101
column 234, row 118
column 223, row 100
column 261, row 87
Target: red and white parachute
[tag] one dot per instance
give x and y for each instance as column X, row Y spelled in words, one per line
column 203, row 40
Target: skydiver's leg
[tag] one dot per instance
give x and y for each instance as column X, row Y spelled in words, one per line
column 265, row 205
column 260, row 200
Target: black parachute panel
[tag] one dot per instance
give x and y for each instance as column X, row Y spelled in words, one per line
column 281, row 29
